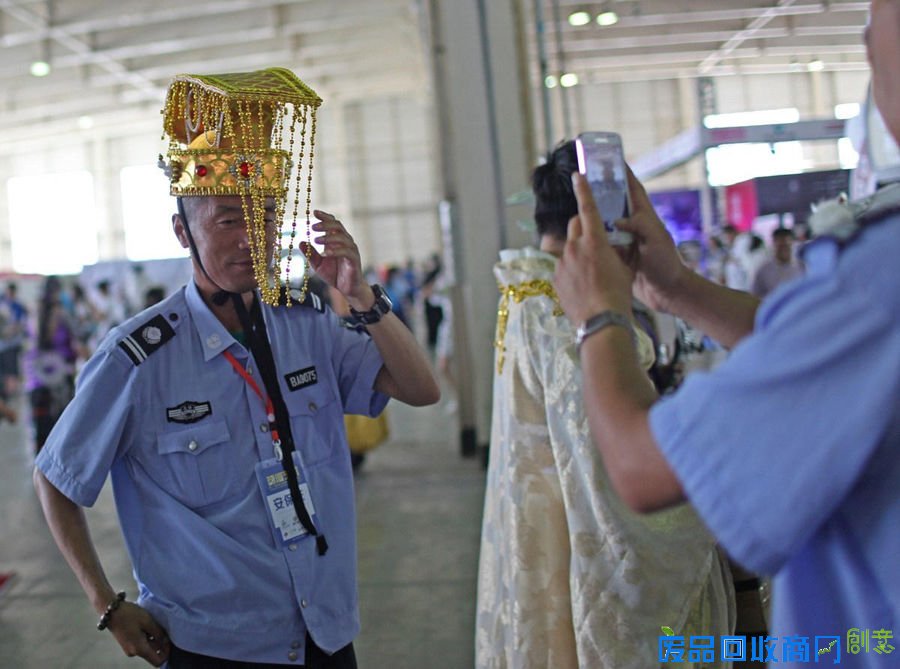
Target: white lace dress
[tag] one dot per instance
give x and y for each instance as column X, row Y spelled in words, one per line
column 568, row 575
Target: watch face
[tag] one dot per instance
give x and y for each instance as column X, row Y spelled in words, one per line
column 382, row 300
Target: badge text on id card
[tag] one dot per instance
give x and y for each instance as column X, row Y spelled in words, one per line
column 283, row 519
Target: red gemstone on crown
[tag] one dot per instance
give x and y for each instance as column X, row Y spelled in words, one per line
column 201, row 170
column 244, row 169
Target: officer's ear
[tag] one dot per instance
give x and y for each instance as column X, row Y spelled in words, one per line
column 180, row 233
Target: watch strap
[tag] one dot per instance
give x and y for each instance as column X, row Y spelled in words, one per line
column 380, row 307
column 600, row 322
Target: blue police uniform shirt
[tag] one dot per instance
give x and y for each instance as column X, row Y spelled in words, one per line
column 180, row 432
column 790, row 450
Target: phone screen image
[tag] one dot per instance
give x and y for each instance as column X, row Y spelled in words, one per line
column 601, row 161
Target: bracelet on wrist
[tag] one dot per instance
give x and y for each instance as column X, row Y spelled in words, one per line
column 112, row 606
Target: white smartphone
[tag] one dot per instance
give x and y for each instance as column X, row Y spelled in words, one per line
column 602, row 162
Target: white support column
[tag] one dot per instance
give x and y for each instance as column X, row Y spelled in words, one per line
column 486, row 144
column 108, row 202
column 347, row 134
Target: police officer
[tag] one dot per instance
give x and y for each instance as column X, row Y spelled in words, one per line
column 790, row 450
column 219, row 416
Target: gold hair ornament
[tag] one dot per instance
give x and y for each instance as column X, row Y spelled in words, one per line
column 533, row 288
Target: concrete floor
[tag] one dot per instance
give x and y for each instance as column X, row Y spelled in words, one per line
column 419, row 507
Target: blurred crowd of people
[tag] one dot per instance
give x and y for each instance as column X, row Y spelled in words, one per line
column 44, row 342
column 743, row 260
column 420, row 294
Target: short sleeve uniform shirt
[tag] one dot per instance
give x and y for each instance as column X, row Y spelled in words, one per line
column 790, row 450
column 161, row 409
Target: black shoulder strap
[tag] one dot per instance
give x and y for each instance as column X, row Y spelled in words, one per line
column 261, row 350
column 311, row 299
column 147, row 339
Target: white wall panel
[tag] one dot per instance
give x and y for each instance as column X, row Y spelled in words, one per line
column 375, row 159
column 392, row 181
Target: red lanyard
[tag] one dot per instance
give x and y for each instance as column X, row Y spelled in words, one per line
column 270, row 408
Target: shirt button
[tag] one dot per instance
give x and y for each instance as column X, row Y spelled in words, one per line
column 295, row 644
column 303, row 603
column 293, row 547
column 292, row 656
column 312, row 407
column 193, row 445
column 263, row 427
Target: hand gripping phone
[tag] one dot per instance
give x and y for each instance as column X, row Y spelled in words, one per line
column 602, row 162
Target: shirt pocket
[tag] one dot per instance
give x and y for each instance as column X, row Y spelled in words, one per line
column 317, row 420
column 195, row 464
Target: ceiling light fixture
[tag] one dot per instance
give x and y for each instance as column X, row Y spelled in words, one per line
column 39, row 68
column 815, row 65
column 568, row 80
column 608, row 18
column 579, row 19
column 550, row 81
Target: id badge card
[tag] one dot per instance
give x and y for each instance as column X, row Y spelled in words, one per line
column 283, row 519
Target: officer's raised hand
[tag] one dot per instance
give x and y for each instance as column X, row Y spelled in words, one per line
column 339, row 263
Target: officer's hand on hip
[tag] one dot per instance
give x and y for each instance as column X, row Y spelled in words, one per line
column 139, row 634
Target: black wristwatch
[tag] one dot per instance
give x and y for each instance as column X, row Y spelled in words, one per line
column 382, row 306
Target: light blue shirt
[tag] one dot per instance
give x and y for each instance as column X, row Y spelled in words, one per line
column 790, row 450
column 183, row 476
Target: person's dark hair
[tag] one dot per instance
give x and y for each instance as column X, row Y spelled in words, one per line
column 782, row 232
column 431, row 277
column 154, row 295
column 554, row 197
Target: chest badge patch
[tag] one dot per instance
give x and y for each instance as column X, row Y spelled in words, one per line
column 188, row 412
column 301, row 378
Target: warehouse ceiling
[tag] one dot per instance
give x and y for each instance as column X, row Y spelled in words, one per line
column 654, row 39
column 109, row 60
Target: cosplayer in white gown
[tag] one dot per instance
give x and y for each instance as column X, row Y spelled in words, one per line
column 568, row 576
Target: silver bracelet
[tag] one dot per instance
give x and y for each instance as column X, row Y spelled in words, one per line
column 600, row 321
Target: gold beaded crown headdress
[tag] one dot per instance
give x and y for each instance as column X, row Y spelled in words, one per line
column 235, row 134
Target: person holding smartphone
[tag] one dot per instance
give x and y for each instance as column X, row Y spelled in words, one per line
column 810, row 495
column 569, row 576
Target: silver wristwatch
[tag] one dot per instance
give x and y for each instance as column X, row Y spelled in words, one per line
column 600, row 321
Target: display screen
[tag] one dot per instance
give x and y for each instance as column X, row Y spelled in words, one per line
column 680, row 210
